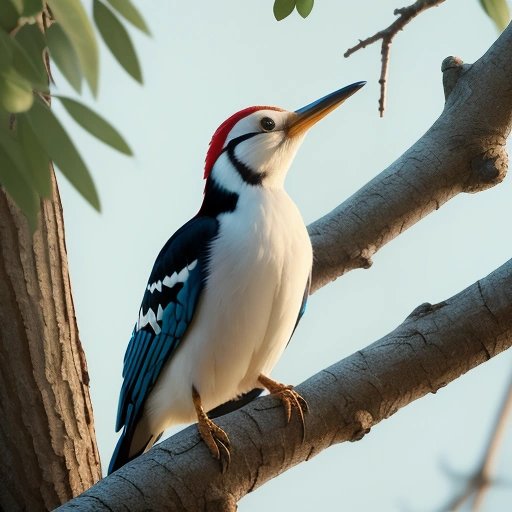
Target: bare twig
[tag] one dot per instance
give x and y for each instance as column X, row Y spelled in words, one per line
column 480, row 482
column 405, row 15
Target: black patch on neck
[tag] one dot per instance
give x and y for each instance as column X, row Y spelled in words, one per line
column 217, row 200
column 247, row 174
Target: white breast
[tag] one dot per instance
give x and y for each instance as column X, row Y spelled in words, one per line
column 259, row 266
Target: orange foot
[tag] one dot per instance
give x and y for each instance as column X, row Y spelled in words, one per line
column 213, row 436
column 290, row 398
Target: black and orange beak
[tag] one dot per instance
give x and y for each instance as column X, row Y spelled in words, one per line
column 310, row 114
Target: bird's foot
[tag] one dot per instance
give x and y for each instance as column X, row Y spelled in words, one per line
column 213, row 436
column 288, row 396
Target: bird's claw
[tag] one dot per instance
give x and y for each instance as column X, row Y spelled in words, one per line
column 216, row 440
column 290, row 399
column 213, row 436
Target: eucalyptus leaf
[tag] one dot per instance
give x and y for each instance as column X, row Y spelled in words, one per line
column 95, row 125
column 18, row 5
column 23, row 64
column 283, row 8
column 74, row 21
column 14, row 182
column 304, row 7
column 10, row 142
column 5, row 51
column 58, row 146
column 8, row 15
column 37, row 161
column 130, row 13
column 32, row 41
column 32, row 7
column 498, row 11
column 15, row 92
column 64, row 55
column 117, row 39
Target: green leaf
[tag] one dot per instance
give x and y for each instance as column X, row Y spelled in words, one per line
column 18, row 5
column 15, row 92
column 32, row 7
column 95, row 125
column 5, row 51
column 126, row 9
column 23, row 65
column 75, row 23
column 304, row 7
column 14, row 182
column 32, row 41
column 117, row 39
column 498, row 11
column 59, row 147
column 37, row 161
column 64, row 55
column 8, row 15
column 283, row 8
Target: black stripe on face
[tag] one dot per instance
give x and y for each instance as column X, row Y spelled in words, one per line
column 247, row 174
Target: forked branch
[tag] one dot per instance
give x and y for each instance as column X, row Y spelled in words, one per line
column 405, row 15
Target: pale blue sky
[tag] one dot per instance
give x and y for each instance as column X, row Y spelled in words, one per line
column 209, row 59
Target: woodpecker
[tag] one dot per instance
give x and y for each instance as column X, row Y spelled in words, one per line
column 226, row 291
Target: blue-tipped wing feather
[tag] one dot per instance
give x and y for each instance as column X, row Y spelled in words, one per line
column 167, row 309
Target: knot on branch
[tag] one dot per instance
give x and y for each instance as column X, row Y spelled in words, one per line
column 425, row 309
column 217, row 500
column 363, row 258
column 452, row 68
column 487, row 169
column 363, row 422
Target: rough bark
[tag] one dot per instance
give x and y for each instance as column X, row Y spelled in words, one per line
column 433, row 346
column 47, row 443
column 463, row 151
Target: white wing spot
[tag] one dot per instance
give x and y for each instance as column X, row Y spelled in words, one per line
column 148, row 318
column 183, row 275
column 170, row 282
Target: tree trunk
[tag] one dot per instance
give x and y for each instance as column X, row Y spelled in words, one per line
column 47, row 441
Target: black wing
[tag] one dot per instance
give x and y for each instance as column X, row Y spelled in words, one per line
column 167, row 309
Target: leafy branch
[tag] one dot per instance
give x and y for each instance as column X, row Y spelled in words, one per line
column 32, row 33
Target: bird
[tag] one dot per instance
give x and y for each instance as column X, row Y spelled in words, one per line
column 226, row 291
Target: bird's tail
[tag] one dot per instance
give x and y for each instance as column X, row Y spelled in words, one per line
column 132, row 443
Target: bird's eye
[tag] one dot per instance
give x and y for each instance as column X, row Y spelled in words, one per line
column 267, row 124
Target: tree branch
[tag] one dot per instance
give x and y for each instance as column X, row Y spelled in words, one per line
column 433, row 346
column 480, row 482
column 405, row 15
column 463, row 151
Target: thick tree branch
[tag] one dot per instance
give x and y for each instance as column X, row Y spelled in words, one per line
column 464, row 151
column 433, row 346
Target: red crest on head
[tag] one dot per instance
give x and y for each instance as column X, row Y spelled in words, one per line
column 220, row 136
